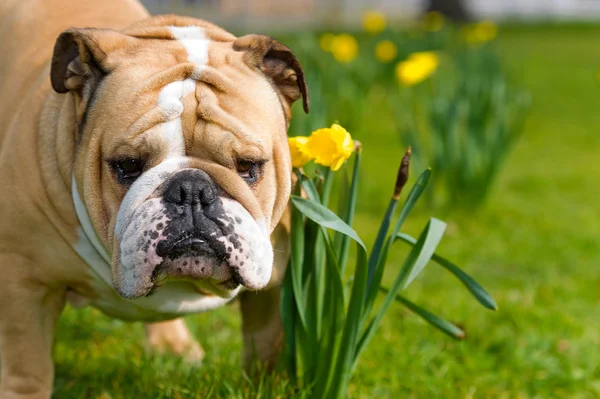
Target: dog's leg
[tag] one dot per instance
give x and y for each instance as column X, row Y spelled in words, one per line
column 173, row 336
column 261, row 327
column 28, row 316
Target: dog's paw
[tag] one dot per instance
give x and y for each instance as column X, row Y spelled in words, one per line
column 174, row 337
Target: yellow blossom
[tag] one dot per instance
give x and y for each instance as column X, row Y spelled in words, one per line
column 298, row 151
column 326, row 41
column 373, row 22
column 344, row 47
column 386, row 51
column 330, row 146
column 417, row 68
column 433, row 21
column 481, row 32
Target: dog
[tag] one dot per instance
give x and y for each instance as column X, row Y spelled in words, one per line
column 145, row 171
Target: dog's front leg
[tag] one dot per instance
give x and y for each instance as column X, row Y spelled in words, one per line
column 28, row 315
column 175, row 337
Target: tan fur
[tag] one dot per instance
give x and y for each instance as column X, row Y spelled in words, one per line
column 173, row 336
column 39, row 150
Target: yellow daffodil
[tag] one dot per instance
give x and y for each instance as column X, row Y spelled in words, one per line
column 344, row 47
column 373, row 22
column 417, row 68
column 298, row 151
column 481, row 32
column 326, row 41
column 433, row 21
column 386, row 51
column 330, row 146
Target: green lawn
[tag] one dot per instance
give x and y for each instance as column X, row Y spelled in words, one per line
column 534, row 247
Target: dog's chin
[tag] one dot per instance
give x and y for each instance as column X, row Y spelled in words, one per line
column 209, row 288
column 209, row 275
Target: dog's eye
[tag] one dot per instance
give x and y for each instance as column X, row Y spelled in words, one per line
column 248, row 170
column 128, row 169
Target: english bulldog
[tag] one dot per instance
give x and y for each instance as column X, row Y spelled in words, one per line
column 145, row 171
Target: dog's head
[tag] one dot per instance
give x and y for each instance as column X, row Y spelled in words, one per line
column 181, row 152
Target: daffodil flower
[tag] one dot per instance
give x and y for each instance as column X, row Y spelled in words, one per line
column 433, row 21
column 330, row 146
column 386, row 51
column 480, row 33
column 298, row 151
column 373, row 22
column 344, row 47
column 418, row 67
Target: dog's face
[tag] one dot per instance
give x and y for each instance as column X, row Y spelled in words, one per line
column 181, row 155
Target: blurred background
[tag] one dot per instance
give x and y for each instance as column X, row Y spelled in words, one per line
column 498, row 97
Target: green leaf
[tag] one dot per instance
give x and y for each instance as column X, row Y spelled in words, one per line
column 297, row 263
column 327, row 184
column 378, row 259
column 333, row 321
column 473, row 286
column 308, row 186
column 346, row 357
column 348, row 214
column 416, row 260
column 288, row 316
column 436, row 321
column 378, row 246
column 324, row 217
column 434, row 236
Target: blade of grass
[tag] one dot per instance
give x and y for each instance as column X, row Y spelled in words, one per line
column 436, row 321
column 482, row 296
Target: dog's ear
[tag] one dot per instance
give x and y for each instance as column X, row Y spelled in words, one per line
column 81, row 58
column 279, row 63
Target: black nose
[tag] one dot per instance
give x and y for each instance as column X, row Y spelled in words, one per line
column 190, row 186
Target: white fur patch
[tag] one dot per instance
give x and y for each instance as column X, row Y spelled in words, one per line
column 193, row 38
column 143, row 188
column 249, row 251
column 87, row 226
column 170, row 100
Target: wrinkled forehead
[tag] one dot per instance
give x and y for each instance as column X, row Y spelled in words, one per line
column 200, row 87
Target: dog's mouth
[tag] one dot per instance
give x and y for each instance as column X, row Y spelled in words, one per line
column 188, row 246
column 197, row 260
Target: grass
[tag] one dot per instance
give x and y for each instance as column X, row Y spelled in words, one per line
column 534, row 247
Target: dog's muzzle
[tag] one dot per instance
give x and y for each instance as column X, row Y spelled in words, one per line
column 190, row 229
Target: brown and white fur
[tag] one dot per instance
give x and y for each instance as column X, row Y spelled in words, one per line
column 144, row 170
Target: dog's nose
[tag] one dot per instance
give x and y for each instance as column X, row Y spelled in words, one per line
column 190, row 186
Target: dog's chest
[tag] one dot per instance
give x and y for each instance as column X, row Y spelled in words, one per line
column 169, row 301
